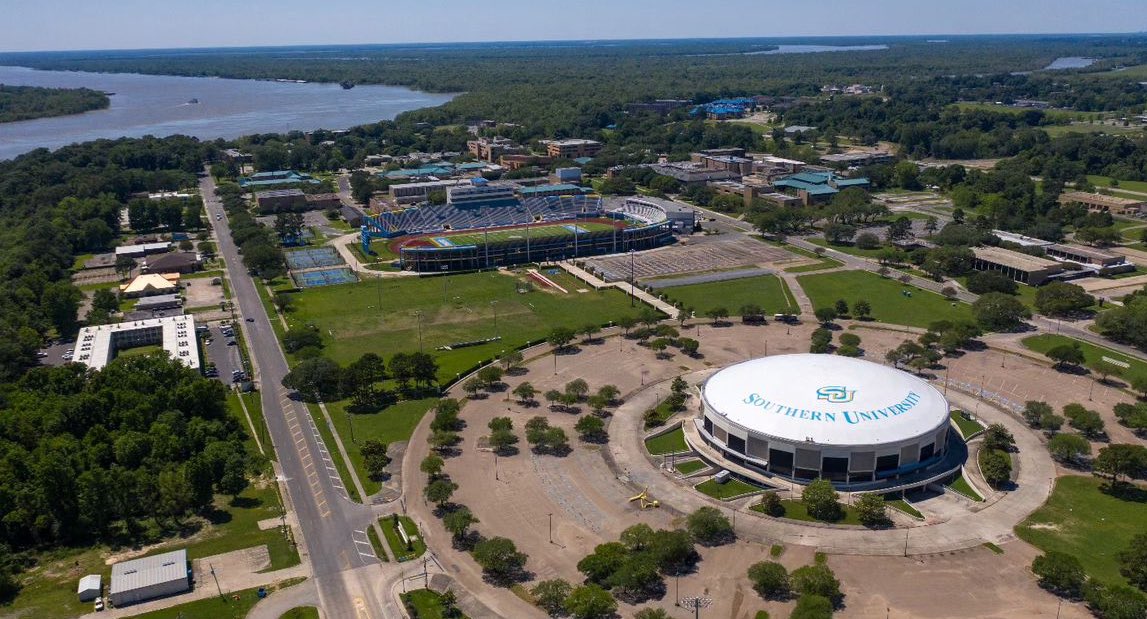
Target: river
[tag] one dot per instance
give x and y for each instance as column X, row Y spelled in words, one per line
column 160, row 105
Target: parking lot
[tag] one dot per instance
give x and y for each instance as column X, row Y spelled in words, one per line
column 225, row 357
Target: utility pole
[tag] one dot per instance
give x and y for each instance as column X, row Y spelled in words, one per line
column 696, row 603
column 632, row 290
column 217, row 587
column 551, row 517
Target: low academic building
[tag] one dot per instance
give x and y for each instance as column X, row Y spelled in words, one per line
column 97, row 346
column 1021, row 267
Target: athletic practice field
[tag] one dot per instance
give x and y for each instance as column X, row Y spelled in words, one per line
column 498, row 235
column 381, row 316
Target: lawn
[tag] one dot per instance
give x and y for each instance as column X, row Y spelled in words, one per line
column 826, row 263
column 729, row 489
column 887, row 297
column 670, row 442
column 966, row 426
column 394, row 423
column 961, row 485
column 767, row 291
column 1055, row 131
column 302, row 612
column 1081, row 520
column 426, row 604
column 254, row 402
column 850, row 249
column 140, row 351
column 691, row 466
column 233, row 604
column 379, row 316
column 1091, row 353
column 795, row 510
column 905, row 507
column 1105, row 181
column 394, row 540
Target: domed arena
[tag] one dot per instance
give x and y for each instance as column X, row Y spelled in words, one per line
column 809, row 416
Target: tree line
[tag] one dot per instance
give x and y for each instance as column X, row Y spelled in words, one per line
column 29, row 102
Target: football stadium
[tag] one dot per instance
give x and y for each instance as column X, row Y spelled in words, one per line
column 804, row 416
column 486, row 226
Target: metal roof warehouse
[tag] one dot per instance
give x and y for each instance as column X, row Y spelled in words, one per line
column 149, row 578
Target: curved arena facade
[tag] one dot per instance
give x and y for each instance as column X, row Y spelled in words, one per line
column 810, row 416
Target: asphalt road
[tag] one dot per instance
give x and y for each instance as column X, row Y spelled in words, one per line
column 347, row 575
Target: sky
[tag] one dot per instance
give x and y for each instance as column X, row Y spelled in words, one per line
column 140, row 24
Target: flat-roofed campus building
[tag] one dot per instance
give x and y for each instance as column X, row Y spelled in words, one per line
column 148, row 578
column 1106, row 262
column 818, row 187
column 1021, row 267
column 408, row 193
column 858, row 158
column 480, row 193
column 97, row 346
column 1100, row 202
column 571, row 149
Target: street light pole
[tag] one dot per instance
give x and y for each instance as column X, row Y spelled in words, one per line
column 551, row 518
column 419, row 314
column 632, row 291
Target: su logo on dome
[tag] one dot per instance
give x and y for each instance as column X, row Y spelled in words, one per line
column 835, row 394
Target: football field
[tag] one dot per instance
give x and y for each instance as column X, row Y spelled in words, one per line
column 462, row 239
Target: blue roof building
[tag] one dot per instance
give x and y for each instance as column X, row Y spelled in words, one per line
column 818, row 187
column 278, row 177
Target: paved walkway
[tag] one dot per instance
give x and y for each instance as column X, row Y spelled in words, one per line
column 991, row 521
column 625, row 287
column 278, row 603
column 803, row 302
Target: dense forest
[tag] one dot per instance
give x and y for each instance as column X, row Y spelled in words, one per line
column 28, row 102
column 121, row 455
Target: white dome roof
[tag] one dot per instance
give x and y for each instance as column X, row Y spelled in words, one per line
column 826, row 399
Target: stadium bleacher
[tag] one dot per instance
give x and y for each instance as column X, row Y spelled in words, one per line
column 440, row 217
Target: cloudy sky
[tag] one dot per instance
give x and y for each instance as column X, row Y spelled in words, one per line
column 129, row 24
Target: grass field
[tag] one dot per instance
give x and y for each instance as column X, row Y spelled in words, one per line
column 379, row 316
column 796, row 510
column 966, row 426
column 850, row 249
column 394, row 423
column 727, row 490
column 767, row 291
column 427, row 604
column 234, row 604
column 394, row 540
column 961, row 485
column 905, row 507
column 1101, row 182
column 1083, row 521
column 1091, row 353
column 302, row 612
column 691, row 466
column 886, row 297
column 670, row 442
column 514, row 234
column 1055, row 131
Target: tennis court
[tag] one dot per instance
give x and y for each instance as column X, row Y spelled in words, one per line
column 324, row 277
column 313, row 258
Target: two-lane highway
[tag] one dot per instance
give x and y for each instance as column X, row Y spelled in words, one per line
column 346, row 572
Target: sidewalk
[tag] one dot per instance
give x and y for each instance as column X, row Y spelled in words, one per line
column 625, row 287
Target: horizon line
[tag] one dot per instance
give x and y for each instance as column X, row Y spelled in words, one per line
column 580, row 40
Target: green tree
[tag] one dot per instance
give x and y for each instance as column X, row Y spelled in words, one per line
column 502, row 441
column 861, row 310
column 1035, row 410
column 560, row 338
column 771, row 504
column 590, row 602
column 709, row 527
column 996, row 467
column 525, row 393
column 821, row 500
column 1059, row 573
column 1068, row 447
column 551, row 595
column 996, row 436
column 811, row 606
column 1133, row 561
column 432, row 465
column 817, row 579
column 459, row 521
column 577, row 389
column 870, row 509
column 1121, row 460
column 1065, row 355
column 439, row 491
column 770, row 580
column 374, row 458
column 591, row 429
column 825, row 315
column 1062, row 299
column 499, row 558
column 996, row 311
